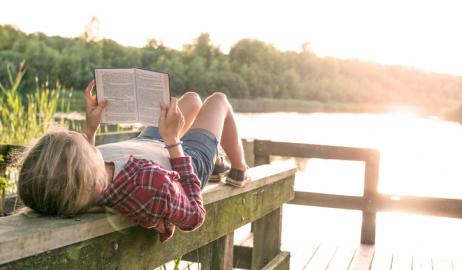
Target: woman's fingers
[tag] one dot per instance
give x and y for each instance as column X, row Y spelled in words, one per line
column 90, row 100
column 173, row 105
column 163, row 111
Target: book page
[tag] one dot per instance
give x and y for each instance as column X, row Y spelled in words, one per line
column 118, row 87
column 152, row 88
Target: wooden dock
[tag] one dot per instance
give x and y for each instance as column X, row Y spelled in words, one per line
column 278, row 237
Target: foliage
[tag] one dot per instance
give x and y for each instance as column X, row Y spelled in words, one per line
column 21, row 119
column 251, row 69
column 176, row 265
column 4, row 183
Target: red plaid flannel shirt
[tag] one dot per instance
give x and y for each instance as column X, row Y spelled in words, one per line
column 156, row 198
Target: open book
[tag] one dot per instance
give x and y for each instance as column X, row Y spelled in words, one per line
column 133, row 94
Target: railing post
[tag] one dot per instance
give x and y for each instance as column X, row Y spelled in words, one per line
column 222, row 258
column 215, row 255
column 261, row 156
column 371, row 181
column 266, row 239
column 248, row 145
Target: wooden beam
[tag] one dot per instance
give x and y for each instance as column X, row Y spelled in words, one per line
column 215, row 255
column 247, row 144
column 266, row 237
column 328, row 200
column 260, row 175
column 370, row 195
column 270, row 148
column 242, row 257
column 368, row 228
column 411, row 204
column 363, row 258
column 280, row 262
column 119, row 243
column 222, row 258
column 420, row 205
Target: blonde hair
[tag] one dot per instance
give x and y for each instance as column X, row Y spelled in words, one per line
column 60, row 173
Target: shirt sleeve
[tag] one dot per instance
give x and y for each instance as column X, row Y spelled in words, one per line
column 184, row 206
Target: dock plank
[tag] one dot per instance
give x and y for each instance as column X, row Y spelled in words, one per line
column 422, row 262
column 402, row 261
column 342, row 258
column 457, row 263
column 363, row 257
column 442, row 263
column 322, row 257
column 302, row 255
column 382, row 260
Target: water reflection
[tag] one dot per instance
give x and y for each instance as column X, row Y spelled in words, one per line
column 418, row 156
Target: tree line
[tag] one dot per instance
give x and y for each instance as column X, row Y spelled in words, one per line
column 251, row 69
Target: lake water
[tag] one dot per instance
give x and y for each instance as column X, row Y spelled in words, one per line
column 419, row 156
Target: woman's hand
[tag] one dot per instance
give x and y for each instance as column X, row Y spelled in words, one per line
column 171, row 122
column 93, row 111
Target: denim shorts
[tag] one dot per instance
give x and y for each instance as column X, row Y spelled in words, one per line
column 200, row 144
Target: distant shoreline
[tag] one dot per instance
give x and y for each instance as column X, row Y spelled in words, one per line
column 268, row 105
column 265, row 105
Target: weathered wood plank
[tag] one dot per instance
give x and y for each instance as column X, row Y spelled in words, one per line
column 266, row 238
column 247, row 144
column 401, row 261
column 279, row 262
column 267, row 148
column 457, row 262
column 342, row 258
column 215, row 255
column 223, row 216
column 322, row 257
column 261, row 175
column 368, row 227
column 301, row 251
column 382, row 260
column 328, row 200
column 222, row 257
column 363, row 257
column 242, row 257
column 420, row 205
column 422, row 262
column 383, row 203
column 371, row 182
column 442, row 263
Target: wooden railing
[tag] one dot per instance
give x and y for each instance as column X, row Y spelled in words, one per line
column 372, row 201
column 108, row 241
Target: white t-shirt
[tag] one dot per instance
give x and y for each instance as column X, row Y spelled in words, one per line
column 119, row 152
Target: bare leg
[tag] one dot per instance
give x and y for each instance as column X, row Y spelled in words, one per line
column 216, row 116
column 190, row 104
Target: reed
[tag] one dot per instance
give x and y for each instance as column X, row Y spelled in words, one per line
column 24, row 117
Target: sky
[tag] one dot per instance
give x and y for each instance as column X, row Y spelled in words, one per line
column 423, row 34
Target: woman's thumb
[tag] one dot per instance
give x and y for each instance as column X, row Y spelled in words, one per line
column 101, row 106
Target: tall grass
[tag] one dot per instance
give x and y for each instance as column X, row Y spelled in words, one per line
column 29, row 116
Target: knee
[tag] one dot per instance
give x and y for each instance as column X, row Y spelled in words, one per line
column 219, row 97
column 193, row 98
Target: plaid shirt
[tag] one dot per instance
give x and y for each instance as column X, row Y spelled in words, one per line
column 156, row 198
